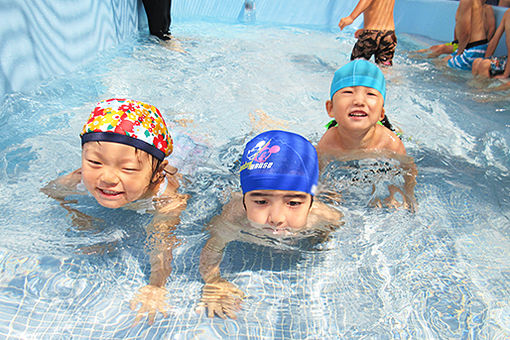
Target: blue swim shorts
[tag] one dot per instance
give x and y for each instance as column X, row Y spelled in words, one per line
column 465, row 60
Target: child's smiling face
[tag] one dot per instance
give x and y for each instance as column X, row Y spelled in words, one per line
column 356, row 107
column 115, row 174
column 280, row 212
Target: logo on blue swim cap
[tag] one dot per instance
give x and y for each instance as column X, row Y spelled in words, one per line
column 359, row 72
column 279, row 160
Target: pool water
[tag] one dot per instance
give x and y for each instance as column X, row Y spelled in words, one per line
column 442, row 272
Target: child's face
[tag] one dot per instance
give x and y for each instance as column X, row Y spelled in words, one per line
column 115, row 174
column 279, row 211
column 356, row 107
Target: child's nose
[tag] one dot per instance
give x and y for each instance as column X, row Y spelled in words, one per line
column 359, row 97
column 276, row 217
column 109, row 177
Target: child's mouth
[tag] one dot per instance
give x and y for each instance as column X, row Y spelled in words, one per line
column 278, row 231
column 109, row 193
column 358, row 114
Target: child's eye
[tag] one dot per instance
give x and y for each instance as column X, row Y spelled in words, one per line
column 295, row 203
column 130, row 169
column 93, row 162
column 260, row 202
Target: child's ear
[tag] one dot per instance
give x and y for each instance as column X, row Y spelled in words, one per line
column 159, row 172
column 383, row 113
column 329, row 108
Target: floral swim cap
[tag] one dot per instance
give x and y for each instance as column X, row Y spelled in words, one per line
column 129, row 122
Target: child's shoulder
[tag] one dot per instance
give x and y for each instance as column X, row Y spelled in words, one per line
column 322, row 214
column 389, row 141
column 328, row 142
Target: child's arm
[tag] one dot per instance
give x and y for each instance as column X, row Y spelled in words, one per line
column 66, row 185
column 502, row 87
column 410, row 172
column 219, row 296
column 322, row 214
column 63, row 186
column 506, row 23
column 360, row 8
column 493, row 43
column 163, row 241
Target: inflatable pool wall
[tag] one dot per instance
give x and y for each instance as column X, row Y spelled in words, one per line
column 49, row 37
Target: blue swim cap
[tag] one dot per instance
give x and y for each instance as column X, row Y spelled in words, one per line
column 359, row 72
column 279, row 160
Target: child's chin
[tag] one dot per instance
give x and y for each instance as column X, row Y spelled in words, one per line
column 111, row 204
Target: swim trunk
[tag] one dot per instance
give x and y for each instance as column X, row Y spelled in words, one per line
column 381, row 44
column 472, row 51
column 498, row 65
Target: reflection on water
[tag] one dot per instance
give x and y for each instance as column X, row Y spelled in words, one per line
column 439, row 273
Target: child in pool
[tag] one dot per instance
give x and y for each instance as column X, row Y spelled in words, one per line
column 124, row 145
column 279, row 174
column 356, row 104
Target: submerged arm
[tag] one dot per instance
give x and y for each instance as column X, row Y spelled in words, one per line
column 410, row 173
column 219, row 296
column 63, row 186
column 162, row 241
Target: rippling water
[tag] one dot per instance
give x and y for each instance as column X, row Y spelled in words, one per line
column 442, row 272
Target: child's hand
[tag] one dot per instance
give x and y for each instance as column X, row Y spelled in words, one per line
column 345, row 22
column 221, row 298
column 152, row 299
column 409, row 201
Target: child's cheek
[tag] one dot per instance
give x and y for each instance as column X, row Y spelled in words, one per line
column 255, row 216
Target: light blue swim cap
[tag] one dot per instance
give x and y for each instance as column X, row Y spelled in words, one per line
column 359, row 72
column 279, row 160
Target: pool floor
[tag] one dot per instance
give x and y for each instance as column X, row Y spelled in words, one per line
column 442, row 272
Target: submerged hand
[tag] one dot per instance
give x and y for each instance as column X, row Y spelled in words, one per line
column 409, row 201
column 152, row 299
column 222, row 298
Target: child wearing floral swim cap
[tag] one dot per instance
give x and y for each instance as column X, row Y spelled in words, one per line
column 124, row 145
column 279, row 174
